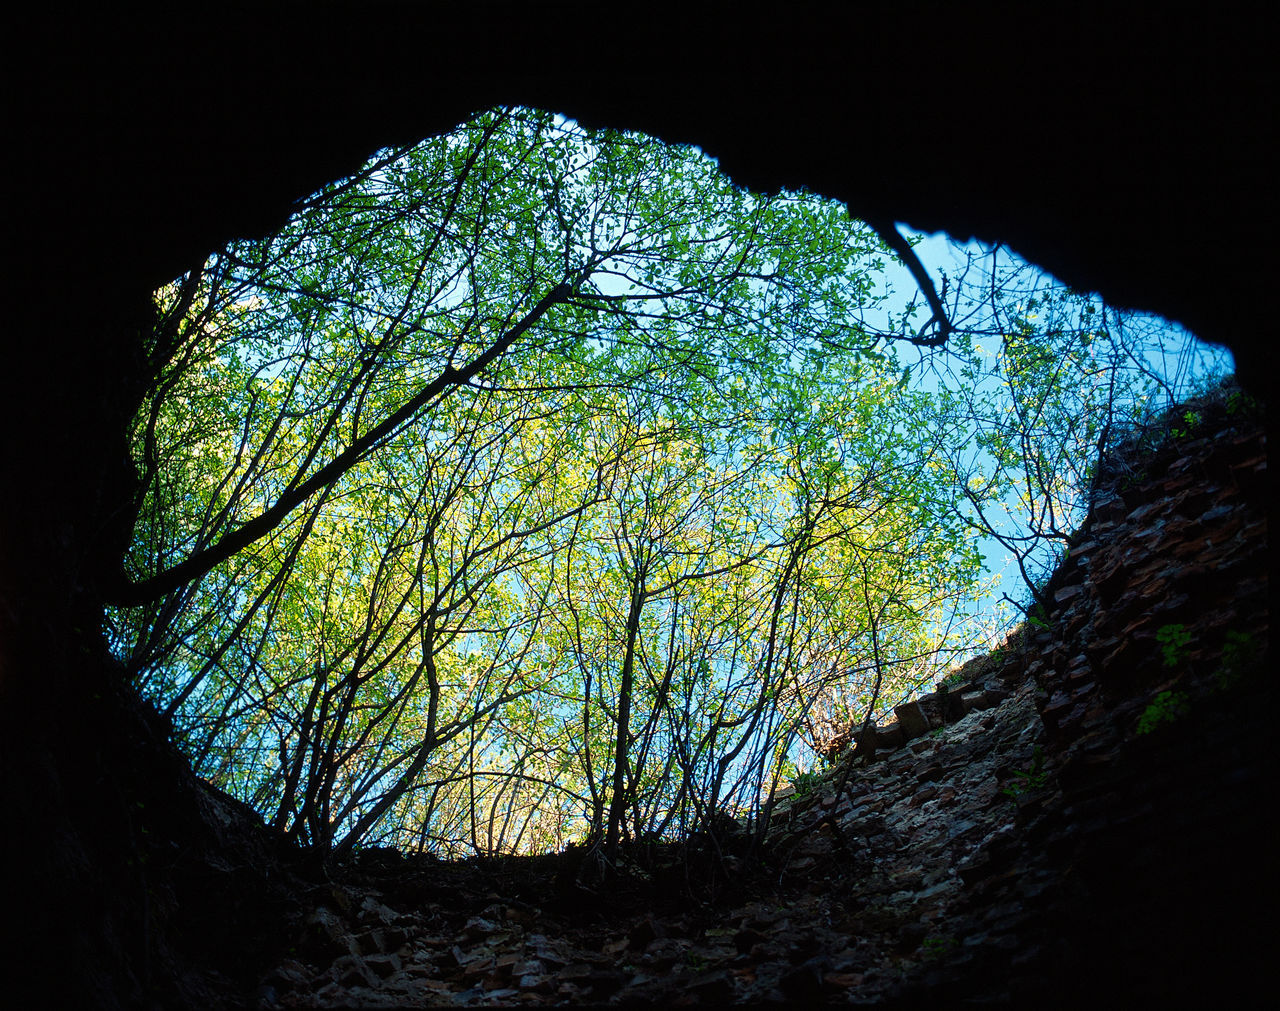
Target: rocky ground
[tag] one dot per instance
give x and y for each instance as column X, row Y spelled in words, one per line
column 849, row 898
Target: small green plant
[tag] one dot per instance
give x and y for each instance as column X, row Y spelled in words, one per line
column 1133, row 480
column 1167, row 707
column 936, row 947
column 1191, row 421
column 1173, row 640
column 1026, row 780
column 1238, row 402
column 806, row 782
column 1238, row 654
column 1038, row 616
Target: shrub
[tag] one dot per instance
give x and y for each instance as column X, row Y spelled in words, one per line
column 1173, row 640
column 1167, row 707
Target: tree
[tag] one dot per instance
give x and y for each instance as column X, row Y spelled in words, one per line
column 1047, row 380
column 537, row 481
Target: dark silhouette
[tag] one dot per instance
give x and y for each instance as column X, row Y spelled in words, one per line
column 1131, row 155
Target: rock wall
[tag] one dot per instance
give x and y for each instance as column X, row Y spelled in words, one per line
column 1105, row 830
column 1165, row 587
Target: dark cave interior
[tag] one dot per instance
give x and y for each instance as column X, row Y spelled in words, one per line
column 1128, row 153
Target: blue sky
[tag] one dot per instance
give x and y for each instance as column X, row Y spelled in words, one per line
column 1178, row 351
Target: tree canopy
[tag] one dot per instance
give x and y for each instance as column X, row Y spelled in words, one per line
column 537, row 483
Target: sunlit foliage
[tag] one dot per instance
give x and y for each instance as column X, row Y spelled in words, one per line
column 537, row 483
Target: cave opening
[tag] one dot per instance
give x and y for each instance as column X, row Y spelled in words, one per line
column 132, row 196
column 537, row 484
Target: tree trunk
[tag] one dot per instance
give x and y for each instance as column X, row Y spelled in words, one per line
column 618, row 799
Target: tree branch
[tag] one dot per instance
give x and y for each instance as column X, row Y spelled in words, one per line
column 131, row 594
column 888, row 232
